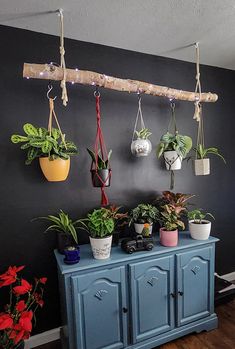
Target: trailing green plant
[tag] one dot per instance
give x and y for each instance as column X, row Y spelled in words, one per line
column 102, row 163
column 144, row 133
column 38, row 142
column 198, row 215
column 143, row 213
column 98, row 224
column 169, row 219
column 202, row 152
column 62, row 224
column 181, row 144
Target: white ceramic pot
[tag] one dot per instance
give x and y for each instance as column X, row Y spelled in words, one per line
column 141, row 147
column 172, row 160
column 200, row 231
column 139, row 228
column 101, row 247
column 202, row 167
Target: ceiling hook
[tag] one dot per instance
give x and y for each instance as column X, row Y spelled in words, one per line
column 50, row 88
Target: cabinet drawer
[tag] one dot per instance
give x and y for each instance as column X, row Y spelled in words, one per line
column 195, row 284
column 99, row 298
column 152, row 307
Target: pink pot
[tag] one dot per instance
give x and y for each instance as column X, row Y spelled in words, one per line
column 168, row 238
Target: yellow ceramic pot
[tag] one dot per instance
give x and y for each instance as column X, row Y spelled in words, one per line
column 55, row 170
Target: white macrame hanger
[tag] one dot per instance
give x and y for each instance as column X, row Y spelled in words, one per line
column 64, row 96
column 198, row 89
column 139, row 116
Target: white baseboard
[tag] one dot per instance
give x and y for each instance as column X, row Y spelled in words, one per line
column 43, row 338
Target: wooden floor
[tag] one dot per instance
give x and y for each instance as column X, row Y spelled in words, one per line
column 221, row 338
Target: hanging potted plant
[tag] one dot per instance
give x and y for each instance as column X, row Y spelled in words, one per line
column 65, row 228
column 199, row 227
column 202, row 162
column 141, row 215
column 100, row 226
column 51, row 149
column 140, row 145
column 174, row 148
column 101, row 175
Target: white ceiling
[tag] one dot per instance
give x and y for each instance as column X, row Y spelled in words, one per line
column 159, row 27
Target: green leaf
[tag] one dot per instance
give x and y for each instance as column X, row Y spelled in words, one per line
column 29, row 129
column 55, row 133
column 46, row 147
column 18, row 139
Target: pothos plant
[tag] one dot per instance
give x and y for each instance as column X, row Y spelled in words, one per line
column 198, row 215
column 18, row 316
column 168, row 142
column 39, row 142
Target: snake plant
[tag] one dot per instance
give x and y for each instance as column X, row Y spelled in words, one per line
column 39, row 142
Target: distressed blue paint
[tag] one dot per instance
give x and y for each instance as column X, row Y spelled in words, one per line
column 94, row 294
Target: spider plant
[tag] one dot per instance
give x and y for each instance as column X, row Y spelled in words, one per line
column 202, row 152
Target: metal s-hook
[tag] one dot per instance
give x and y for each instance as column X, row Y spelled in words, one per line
column 97, row 92
column 50, row 88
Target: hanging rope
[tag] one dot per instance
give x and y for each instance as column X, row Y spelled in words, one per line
column 64, row 95
column 100, row 150
column 139, row 116
column 198, row 106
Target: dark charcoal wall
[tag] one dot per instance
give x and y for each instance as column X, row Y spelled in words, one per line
column 25, row 193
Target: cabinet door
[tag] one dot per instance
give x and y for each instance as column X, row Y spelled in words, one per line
column 195, row 284
column 152, row 305
column 99, row 299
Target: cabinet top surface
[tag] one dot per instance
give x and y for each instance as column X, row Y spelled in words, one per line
column 87, row 260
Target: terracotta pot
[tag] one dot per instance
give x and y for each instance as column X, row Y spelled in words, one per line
column 168, row 238
column 55, row 170
column 202, row 167
column 172, row 160
column 200, row 231
column 104, row 175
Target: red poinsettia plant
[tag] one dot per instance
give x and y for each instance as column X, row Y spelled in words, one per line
column 16, row 321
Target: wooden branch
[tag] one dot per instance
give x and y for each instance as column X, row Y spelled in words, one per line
column 51, row 72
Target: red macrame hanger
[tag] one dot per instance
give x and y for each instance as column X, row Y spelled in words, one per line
column 100, row 147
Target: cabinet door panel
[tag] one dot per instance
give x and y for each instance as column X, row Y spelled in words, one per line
column 99, row 298
column 152, row 305
column 194, row 285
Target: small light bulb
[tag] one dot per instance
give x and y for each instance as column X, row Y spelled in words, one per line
column 27, row 77
column 76, row 69
column 41, row 73
column 93, row 83
column 72, row 82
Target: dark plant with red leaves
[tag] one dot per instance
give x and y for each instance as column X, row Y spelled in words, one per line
column 177, row 202
column 18, row 317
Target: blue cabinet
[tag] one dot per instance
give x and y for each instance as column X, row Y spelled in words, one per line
column 138, row 301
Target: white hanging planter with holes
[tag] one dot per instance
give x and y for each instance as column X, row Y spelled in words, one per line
column 172, row 160
column 140, row 145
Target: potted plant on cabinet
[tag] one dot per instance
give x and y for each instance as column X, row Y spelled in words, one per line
column 51, row 149
column 142, row 145
column 101, row 175
column 99, row 225
column 173, row 148
column 202, row 162
column 120, row 220
column 142, row 214
column 65, row 228
column 199, row 227
column 19, row 315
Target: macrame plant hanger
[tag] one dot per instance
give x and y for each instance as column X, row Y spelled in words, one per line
column 139, row 118
column 64, row 95
column 53, row 114
column 172, row 128
column 100, row 149
column 198, row 106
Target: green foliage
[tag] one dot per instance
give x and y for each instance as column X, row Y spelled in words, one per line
column 202, row 152
column 144, row 133
column 181, row 144
column 198, row 215
column 169, row 219
column 101, row 162
column 62, row 224
column 143, row 213
column 98, row 224
column 38, row 142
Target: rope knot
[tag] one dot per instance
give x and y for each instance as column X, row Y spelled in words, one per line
column 198, row 76
column 62, row 50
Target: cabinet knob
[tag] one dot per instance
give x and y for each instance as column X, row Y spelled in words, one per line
column 125, row 310
column 181, row 293
column 172, row 295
